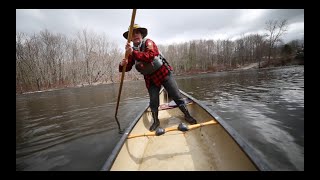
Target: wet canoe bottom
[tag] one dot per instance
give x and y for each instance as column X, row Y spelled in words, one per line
column 190, row 155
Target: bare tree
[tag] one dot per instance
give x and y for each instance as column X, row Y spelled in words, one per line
column 275, row 30
column 259, row 45
column 210, row 52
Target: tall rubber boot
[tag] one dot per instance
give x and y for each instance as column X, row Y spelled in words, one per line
column 187, row 116
column 156, row 122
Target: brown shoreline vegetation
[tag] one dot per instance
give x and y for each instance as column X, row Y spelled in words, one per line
column 280, row 62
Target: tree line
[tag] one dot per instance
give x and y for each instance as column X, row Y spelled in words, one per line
column 210, row 55
column 47, row 60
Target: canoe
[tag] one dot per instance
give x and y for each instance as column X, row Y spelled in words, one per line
column 209, row 145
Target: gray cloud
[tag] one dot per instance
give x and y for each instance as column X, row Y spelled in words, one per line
column 164, row 25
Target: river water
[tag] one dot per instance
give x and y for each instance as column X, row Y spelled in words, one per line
column 75, row 129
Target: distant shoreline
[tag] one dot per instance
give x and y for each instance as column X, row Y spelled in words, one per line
column 243, row 68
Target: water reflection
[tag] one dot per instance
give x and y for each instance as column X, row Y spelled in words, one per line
column 75, row 128
column 265, row 106
column 48, row 121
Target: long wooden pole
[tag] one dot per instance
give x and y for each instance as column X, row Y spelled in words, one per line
column 126, row 56
column 175, row 128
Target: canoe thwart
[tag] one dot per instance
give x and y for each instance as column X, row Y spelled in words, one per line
column 181, row 127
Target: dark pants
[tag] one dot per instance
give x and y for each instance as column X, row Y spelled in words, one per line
column 171, row 86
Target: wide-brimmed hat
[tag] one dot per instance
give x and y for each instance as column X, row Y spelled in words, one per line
column 144, row 31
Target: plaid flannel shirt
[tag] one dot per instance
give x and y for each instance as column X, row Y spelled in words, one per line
column 148, row 55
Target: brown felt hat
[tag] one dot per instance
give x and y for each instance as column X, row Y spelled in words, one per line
column 144, row 31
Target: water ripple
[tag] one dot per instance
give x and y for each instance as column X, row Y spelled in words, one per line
column 75, row 128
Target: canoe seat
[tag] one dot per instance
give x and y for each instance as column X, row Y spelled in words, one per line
column 172, row 104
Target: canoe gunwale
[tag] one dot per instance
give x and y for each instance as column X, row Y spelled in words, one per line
column 258, row 161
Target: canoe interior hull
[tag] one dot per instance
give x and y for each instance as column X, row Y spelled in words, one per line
column 205, row 149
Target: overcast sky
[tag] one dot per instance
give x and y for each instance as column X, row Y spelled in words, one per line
column 164, row 25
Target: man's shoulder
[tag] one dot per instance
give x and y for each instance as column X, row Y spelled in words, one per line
column 149, row 42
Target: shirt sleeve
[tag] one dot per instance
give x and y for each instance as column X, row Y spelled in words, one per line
column 150, row 51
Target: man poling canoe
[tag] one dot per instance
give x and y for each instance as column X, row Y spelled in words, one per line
column 157, row 72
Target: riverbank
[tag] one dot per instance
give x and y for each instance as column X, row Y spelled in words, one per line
column 224, row 68
column 263, row 64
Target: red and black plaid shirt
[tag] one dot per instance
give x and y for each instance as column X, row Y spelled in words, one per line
column 151, row 50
